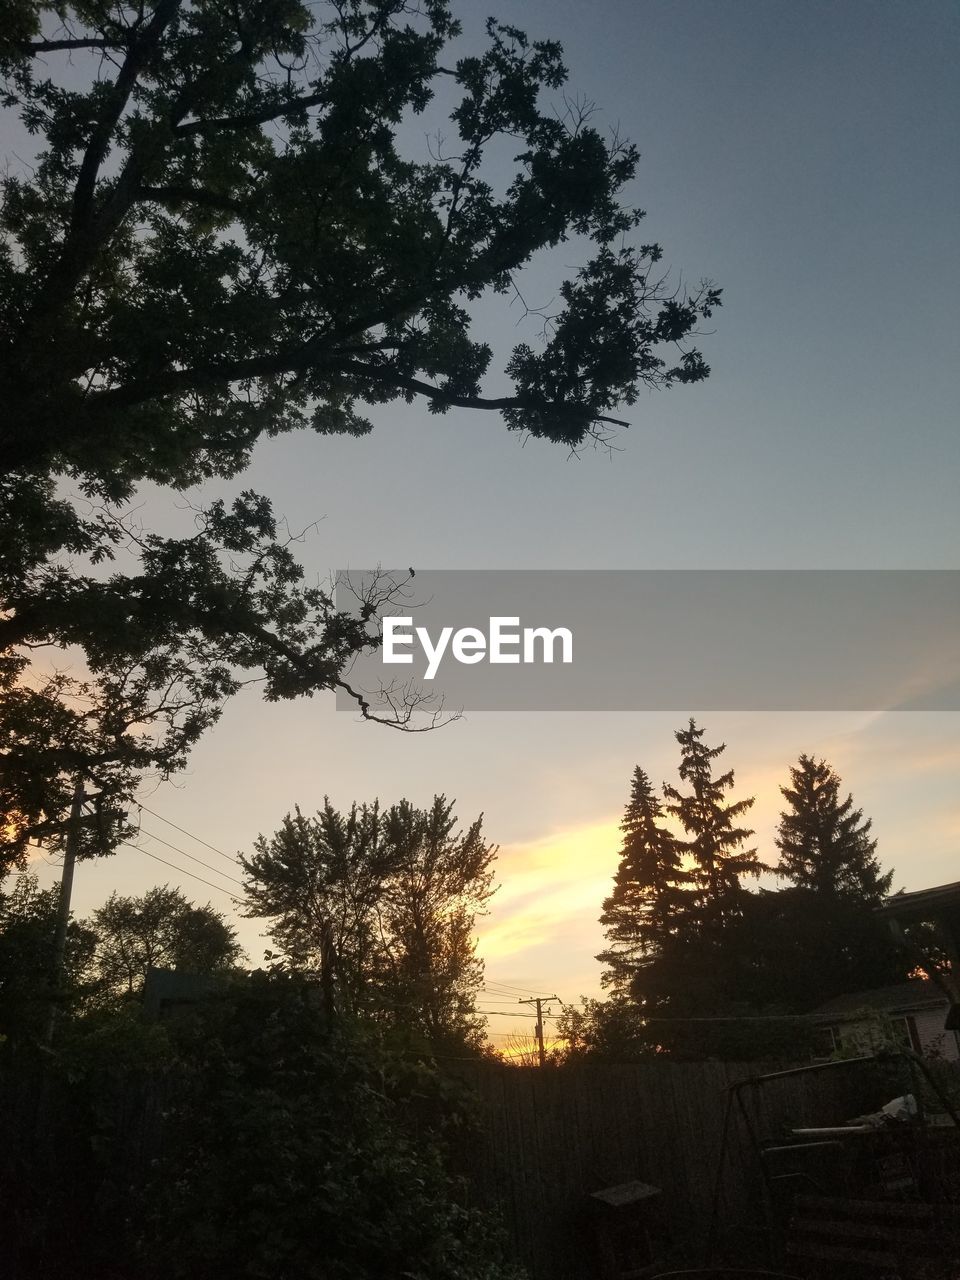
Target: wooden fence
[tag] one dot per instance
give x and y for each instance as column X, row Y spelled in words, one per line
column 551, row 1137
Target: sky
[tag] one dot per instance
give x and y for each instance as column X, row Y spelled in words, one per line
column 804, row 157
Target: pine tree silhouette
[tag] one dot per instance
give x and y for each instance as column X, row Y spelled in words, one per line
column 651, row 894
column 710, row 821
column 825, row 844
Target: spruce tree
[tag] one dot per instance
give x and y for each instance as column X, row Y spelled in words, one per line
column 825, row 844
column 836, row 883
column 711, row 822
column 650, row 894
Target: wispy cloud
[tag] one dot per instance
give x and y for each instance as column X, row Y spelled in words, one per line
column 552, row 891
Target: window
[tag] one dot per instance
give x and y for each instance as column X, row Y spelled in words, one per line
column 826, row 1042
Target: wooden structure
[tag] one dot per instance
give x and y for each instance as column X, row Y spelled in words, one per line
column 549, row 1138
column 882, row 1237
column 875, row 1196
column 628, row 1240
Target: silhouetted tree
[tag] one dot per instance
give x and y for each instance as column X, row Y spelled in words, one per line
column 250, row 1139
column 612, row 1030
column 710, row 821
column 161, row 929
column 27, row 922
column 651, row 897
column 821, row 936
column 382, row 903
column 701, row 967
column 223, row 235
column 825, row 844
column 798, row 948
column 103, row 734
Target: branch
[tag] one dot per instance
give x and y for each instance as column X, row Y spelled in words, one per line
column 440, row 396
column 15, row 629
column 402, row 713
column 186, row 194
column 33, row 47
column 178, row 382
column 181, row 381
column 129, row 72
column 85, row 232
column 245, row 119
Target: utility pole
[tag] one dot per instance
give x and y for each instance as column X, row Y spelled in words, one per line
column 328, row 962
column 538, row 1001
column 63, row 906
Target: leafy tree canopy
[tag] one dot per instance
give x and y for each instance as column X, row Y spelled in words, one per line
column 160, row 929
column 27, row 922
column 382, row 904
column 106, row 956
column 249, row 1138
column 226, row 233
column 223, row 234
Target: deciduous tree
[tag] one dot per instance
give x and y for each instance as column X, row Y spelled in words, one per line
column 224, row 234
column 382, row 905
column 161, row 929
column 27, row 921
column 227, row 232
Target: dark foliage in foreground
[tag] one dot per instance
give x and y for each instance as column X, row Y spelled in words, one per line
column 249, row 1139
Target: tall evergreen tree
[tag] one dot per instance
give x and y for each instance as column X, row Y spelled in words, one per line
column 829, row 857
column 825, row 844
column 719, row 861
column 650, row 889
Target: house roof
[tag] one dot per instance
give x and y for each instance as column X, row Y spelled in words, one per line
column 939, row 897
column 904, row 997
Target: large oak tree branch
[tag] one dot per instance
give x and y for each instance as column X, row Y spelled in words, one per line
column 140, row 50
column 35, row 47
column 86, row 232
column 439, row 395
column 247, row 119
column 176, row 194
column 176, row 382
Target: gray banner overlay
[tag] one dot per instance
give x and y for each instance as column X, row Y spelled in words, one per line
column 668, row 640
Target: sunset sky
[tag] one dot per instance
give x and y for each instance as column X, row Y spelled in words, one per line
column 805, row 158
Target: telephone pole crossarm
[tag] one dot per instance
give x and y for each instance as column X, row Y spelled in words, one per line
column 538, row 1001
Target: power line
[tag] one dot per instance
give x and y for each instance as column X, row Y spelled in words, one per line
column 744, row 1017
column 511, row 1003
column 183, row 831
column 507, row 988
column 192, row 858
column 503, row 986
column 500, row 1013
column 496, row 991
column 511, row 996
column 183, row 871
